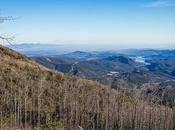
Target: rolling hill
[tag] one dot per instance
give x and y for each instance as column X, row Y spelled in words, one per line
column 135, row 69
column 34, row 97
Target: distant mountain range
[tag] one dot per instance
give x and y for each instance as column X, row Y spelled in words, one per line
column 133, row 67
column 108, row 67
column 37, row 49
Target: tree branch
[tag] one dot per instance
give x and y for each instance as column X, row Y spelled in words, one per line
column 3, row 19
column 8, row 40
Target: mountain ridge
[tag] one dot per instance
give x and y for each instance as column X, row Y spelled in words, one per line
column 35, row 97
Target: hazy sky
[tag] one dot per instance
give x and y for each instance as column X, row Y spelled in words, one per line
column 125, row 23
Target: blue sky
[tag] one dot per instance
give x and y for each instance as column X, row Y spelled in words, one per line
column 124, row 23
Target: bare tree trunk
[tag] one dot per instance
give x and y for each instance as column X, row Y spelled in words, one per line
column 107, row 111
column 15, row 110
column 25, row 107
column 1, row 118
column 11, row 105
column 39, row 103
column 173, row 118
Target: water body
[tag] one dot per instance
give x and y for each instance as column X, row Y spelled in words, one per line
column 140, row 59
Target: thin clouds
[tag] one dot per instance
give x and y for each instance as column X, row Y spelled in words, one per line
column 161, row 3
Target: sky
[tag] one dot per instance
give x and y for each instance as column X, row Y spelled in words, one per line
column 123, row 23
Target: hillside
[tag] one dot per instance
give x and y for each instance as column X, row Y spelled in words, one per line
column 111, row 67
column 33, row 97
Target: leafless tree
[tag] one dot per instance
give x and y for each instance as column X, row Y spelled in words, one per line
column 9, row 40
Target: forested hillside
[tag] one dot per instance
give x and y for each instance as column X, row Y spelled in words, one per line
column 33, row 97
column 135, row 69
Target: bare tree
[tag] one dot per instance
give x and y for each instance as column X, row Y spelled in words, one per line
column 3, row 19
column 9, row 40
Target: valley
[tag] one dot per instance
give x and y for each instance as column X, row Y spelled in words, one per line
column 108, row 67
column 146, row 71
column 34, row 97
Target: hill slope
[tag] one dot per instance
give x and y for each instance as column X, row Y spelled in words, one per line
column 32, row 96
column 112, row 69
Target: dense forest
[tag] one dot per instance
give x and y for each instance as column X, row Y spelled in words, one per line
column 33, row 97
